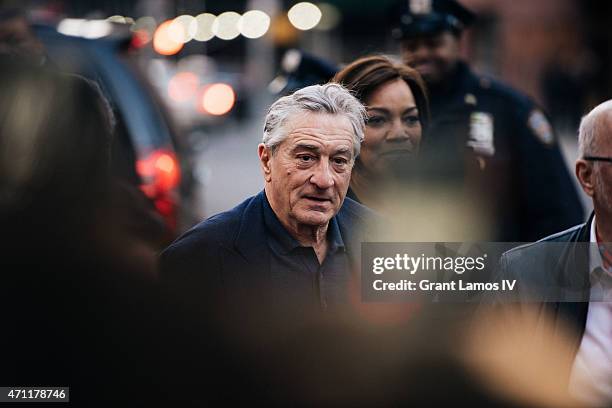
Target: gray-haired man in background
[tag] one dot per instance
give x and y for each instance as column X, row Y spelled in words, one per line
column 579, row 261
column 300, row 235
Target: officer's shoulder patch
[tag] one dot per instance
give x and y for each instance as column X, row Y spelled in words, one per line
column 540, row 127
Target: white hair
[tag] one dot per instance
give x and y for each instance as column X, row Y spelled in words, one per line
column 591, row 125
column 329, row 98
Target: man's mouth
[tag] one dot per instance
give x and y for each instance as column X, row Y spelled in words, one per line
column 425, row 66
column 318, row 198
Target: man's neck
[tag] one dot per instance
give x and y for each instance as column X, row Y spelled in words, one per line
column 311, row 236
column 307, row 235
column 603, row 227
column 450, row 81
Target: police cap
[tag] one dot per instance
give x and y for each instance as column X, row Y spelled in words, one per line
column 426, row 17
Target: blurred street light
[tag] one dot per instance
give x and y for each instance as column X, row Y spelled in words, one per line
column 254, row 24
column 217, row 99
column 204, row 30
column 188, row 28
column 304, row 16
column 90, row 29
column 163, row 40
column 225, row 25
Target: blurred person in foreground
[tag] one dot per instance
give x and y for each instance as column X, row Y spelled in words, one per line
column 68, row 269
column 397, row 115
column 299, row 236
column 571, row 272
column 78, row 289
column 488, row 143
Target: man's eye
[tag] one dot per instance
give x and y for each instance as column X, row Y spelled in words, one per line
column 375, row 120
column 340, row 161
column 305, row 158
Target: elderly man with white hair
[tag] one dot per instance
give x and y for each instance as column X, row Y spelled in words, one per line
column 569, row 274
column 300, row 235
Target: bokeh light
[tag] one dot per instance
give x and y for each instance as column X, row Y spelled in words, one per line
column 163, row 40
column 225, row 25
column 183, row 86
column 254, row 24
column 186, row 30
column 217, row 99
column 91, row 29
column 304, row 16
column 204, row 24
column 117, row 19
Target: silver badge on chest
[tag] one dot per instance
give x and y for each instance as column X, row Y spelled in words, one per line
column 481, row 134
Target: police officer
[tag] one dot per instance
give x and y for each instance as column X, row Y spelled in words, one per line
column 485, row 137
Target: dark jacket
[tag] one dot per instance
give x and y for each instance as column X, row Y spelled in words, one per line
column 227, row 256
column 496, row 146
column 553, row 275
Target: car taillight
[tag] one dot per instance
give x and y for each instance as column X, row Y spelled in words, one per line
column 160, row 174
column 140, row 38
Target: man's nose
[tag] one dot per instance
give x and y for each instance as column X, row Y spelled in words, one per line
column 323, row 175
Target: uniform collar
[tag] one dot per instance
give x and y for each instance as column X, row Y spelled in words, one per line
column 456, row 83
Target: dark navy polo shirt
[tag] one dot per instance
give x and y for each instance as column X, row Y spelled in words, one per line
column 297, row 271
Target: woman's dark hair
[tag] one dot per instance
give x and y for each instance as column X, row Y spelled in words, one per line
column 363, row 76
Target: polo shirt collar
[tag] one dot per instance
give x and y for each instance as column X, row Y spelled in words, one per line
column 282, row 242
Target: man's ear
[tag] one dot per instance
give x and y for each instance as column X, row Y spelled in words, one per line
column 584, row 174
column 265, row 155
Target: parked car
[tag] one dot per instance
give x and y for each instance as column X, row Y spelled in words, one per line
column 145, row 147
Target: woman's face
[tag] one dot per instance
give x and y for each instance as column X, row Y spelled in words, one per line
column 393, row 130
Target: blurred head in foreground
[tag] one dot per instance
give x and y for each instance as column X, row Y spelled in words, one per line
column 397, row 115
column 55, row 145
column 55, row 135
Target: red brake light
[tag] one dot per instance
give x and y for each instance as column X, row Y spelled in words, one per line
column 160, row 174
column 140, row 38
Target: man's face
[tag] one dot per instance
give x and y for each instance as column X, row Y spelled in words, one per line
column 309, row 173
column 595, row 177
column 602, row 171
column 433, row 56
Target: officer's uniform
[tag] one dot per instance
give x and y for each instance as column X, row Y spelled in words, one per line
column 499, row 147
